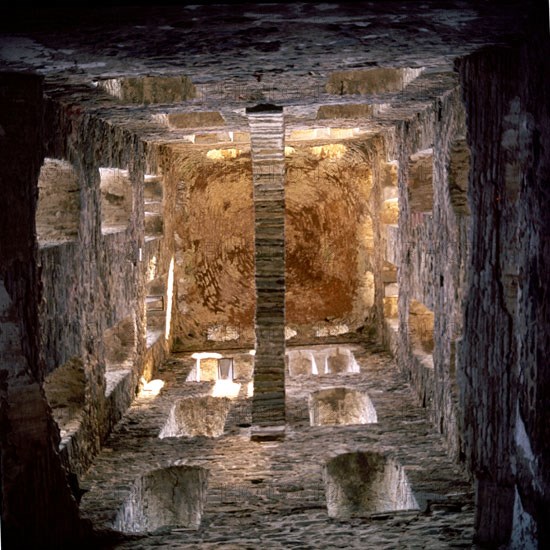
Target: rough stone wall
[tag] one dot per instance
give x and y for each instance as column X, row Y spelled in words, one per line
column 332, row 237
column 380, row 250
column 214, row 246
column 37, row 506
column 504, row 379
column 91, row 290
column 332, row 240
column 160, row 260
column 451, row 248
column 414, row 240
column 97, row 281
column 432, row 256
column 60, row 329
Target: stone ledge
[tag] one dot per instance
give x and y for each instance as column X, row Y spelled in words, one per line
column 267, row 433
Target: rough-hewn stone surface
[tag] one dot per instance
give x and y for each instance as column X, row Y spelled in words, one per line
column 35, row 488
column 503, row 354
column 385, row 233
column 273, row 493
column 332, row 258
column 429, row 247
column 88, row 284
column 170, row 496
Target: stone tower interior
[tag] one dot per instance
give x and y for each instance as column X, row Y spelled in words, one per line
column 275, row 275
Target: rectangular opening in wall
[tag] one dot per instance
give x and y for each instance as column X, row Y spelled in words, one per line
column 65, row 390
column 155, row 303
column 153, row 206
column 155, row 308
column 58, row 209
column 391, row 290
column 164, row 498
column 120, row 352
column 390, row 234
column 389, row 213
column 116, row 199
column 421, row 328
column 421, row 182
column 225, row 368
column 390, row 206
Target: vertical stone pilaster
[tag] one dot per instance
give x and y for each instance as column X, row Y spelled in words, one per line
column 268, row 173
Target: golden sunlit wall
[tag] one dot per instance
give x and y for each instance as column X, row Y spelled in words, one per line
column 329, row 242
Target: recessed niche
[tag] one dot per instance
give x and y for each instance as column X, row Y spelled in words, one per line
column 362, row 483
column 116, row 199
column 390, row 211
column 153, row 194
column 210, row 367
column 301, row 363
column 153, row 189
column 389, row 273
column 357, row 110
column 223, row 154
column 169, row 497
column 388, row 177
column 58, row 209
column 120, row 351
column 149, row 89
column 197, row 416
column 158, row 302
column 391, row 234
column 340, row 406
column 391, row 294
column 421, row 327
column 340, row 360
column 420, row 186
column 333, row 360
column 371, row 81
column 391, row 290
column 154, row 223
column 191, row 119
column 243, row 367
column 290, row 333
column 65, row 391
column 155, row 307
column 458, row 174
column 225, row 368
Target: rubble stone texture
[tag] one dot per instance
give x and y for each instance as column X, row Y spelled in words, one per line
column 277, row 493
column 388, row 309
